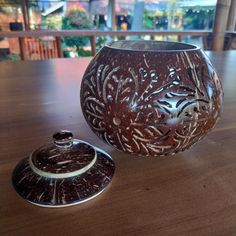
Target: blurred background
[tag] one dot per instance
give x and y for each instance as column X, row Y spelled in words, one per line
column 92, row 16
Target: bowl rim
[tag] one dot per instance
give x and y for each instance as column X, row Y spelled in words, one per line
column 192, row 47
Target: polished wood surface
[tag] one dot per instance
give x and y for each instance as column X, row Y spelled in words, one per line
column 191, row 193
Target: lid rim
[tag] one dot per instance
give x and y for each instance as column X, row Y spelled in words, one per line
column 67, row 174
column 65, row 193
column 68, row 204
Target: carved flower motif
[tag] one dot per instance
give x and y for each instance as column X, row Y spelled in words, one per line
column 137, row 112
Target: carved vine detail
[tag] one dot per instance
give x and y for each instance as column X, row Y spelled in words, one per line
column 135, row 112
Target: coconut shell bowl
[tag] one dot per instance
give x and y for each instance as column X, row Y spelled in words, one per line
column 151, row 98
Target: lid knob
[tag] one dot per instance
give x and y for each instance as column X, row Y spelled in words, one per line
column 63, row 139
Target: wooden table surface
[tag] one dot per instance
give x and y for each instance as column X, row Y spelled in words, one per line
column 192, row 193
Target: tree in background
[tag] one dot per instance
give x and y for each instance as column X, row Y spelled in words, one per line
column 76, row 18
column 52, row 22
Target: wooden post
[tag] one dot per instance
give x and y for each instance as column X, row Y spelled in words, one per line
column 25, row 11
column 22, row 48
column 152, row 37
column 93, row 45
column 220, row 22
column 232, row 16
column 90, row 9
column 204, row 42
column 111, row 14
column 59, row 47
column 179, row 38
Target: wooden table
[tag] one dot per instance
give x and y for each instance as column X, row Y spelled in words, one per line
column 192, row 193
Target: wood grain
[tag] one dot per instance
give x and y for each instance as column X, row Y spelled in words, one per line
column 192, row 193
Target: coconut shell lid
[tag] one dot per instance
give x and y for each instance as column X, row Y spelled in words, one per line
column 63, row 173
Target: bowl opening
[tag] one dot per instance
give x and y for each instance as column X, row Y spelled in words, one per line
column 151, row 45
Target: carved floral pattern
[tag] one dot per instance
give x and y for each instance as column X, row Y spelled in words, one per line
column 145, row 111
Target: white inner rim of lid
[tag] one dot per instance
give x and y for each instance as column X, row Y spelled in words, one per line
column 64, row 175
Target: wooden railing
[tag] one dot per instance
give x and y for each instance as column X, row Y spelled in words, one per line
column 37, row 49
column 92, row 34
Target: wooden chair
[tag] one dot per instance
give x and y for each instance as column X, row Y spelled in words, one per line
column 40, row 48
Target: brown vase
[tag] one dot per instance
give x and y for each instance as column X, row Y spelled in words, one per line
column 151, row 98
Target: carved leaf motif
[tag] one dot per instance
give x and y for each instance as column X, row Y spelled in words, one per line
column 135, row 111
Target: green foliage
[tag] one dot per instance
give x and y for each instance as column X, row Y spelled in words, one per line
column 13, row 57
column 100, row 42
column 80, row 53
column 76, row 19
column 53, row 22
column 148, row 21
column 84, row 53
column 17, row 3
column 198, row 18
